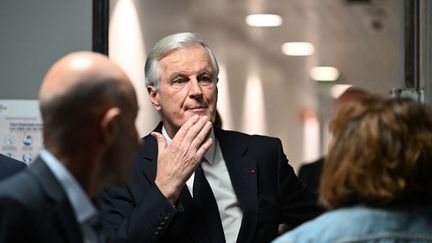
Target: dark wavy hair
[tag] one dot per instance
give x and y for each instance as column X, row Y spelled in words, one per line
column 380, row 154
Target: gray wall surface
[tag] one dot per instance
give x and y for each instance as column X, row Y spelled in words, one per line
column 33, row 35
column 426, row 50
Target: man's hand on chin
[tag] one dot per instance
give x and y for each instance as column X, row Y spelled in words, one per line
column 178, row 160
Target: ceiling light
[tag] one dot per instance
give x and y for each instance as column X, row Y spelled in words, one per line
column 263, row 20
column 298, row 48
column 338, row 89
column 324, row 73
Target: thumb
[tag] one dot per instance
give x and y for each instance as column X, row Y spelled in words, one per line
column 160, row 140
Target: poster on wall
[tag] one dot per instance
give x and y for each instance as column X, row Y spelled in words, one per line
column 20, row 129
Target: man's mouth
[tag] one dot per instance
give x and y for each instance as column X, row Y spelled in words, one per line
column 197, row 108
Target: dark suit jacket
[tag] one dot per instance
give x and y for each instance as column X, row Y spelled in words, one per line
column 34, row 208
column 9, row 166
column 266, row 186
column 310, row 174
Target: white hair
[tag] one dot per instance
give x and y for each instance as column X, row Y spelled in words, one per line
column 170, row 43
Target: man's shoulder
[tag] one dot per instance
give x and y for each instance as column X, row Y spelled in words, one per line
column 244, row 136
column 148, row 146
column 21, row 187
column 313, row 166
column 149, row 137
column 255, row 144
column 9, row 166
column 7, row 161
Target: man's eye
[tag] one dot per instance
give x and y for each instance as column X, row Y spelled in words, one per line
column 205, row 80
column 179, row 81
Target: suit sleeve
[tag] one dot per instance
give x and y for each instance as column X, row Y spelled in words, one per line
column 14, row 222
column 127, row 219
column 298, row 203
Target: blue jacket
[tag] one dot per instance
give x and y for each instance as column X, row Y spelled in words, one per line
column 365, row 224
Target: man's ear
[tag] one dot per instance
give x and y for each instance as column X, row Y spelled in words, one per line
column 109, row 126
column 154, row 97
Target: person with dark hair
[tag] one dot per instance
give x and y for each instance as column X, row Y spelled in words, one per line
column 88, row 107
column 376, row 178
column 237, row 188
column 310, row 173
column 9, row 166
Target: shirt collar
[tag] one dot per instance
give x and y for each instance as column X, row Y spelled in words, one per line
column 209, row 156
column 81, row 205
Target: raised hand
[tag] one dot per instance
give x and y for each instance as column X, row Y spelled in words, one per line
column 178, row 160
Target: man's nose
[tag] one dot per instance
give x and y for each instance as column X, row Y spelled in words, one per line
column 195, row 88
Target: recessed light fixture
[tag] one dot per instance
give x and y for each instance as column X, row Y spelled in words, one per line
column 338, row 89
column 297, row 48
column 324, row 73
column 263, row 20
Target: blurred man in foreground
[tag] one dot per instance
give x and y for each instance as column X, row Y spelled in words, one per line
column 88, row 108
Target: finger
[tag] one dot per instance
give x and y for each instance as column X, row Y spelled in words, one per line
column 185, row 128
column 202, row 150
column 160, row 140
column 195, row 130
column 202, row 135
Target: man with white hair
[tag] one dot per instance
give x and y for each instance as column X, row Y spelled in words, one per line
column 209, row 186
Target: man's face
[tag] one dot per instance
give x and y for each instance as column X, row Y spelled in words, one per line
column 187, row 87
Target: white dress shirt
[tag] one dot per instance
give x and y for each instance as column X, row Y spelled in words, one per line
column 216, row 173
column 83, row 208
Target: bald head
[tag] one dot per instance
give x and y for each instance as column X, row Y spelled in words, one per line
column 76, row 93
column 77, row 69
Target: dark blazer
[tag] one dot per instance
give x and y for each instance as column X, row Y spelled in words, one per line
column 266, row 186
column 35, row 208
column 310, row 174
column 9, row 166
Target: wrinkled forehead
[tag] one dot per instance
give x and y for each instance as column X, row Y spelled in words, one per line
column 192, row 58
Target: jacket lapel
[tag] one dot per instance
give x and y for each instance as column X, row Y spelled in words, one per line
column 191, row 218
column 70, row 227
column 62, row 209
column 243, row 173
column 148, row 153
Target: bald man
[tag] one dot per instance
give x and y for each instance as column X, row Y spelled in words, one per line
column 88, row 107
